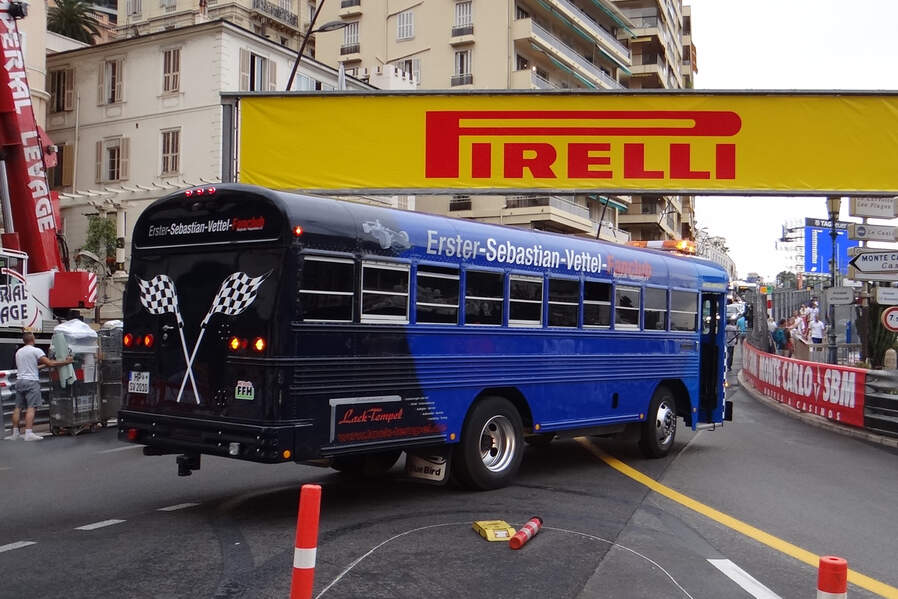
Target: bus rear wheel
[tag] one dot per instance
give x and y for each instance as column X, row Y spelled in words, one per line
column 660, row 426
column 491, row 447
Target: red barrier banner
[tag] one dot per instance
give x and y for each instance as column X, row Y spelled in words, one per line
column 834, row 392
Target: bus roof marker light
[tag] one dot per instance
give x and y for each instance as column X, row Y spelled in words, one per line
column 210, row 190
column 189, row 193
column 200, row 191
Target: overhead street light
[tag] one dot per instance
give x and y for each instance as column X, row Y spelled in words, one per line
column 329, row 26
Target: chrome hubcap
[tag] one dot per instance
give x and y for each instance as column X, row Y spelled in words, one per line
column 665, row 423
column 497, row 443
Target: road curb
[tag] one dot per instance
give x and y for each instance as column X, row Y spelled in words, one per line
column 814, row 420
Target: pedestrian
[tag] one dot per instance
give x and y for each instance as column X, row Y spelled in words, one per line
column 742, row 325
column 816, row 328
column 732, row 337
column 29, row 359
column 779, row 337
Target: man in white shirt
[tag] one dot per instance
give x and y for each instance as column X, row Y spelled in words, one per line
column 28, row 387
column 816, row 328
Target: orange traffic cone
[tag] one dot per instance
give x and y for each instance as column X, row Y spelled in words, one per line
column 526, row 533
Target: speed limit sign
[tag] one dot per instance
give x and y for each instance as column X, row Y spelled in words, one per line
column 890, row 318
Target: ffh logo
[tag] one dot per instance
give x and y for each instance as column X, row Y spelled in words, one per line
column 445, row 131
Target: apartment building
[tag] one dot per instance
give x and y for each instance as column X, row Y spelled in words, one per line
column 526, row 45
column 284, row 22
column 137, row 118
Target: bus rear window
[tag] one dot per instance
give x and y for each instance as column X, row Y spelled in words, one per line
column 326, row 289
column 483, row 297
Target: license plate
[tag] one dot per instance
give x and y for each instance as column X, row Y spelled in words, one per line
column 138, row 382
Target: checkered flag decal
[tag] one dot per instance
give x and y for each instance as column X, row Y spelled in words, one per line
column 158, row 295
column 237, row 292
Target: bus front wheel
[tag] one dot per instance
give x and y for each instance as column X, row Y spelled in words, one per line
column 491, row 447
column 660, row 426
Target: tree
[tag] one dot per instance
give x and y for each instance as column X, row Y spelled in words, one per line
column 74, row 19
column 787, row 280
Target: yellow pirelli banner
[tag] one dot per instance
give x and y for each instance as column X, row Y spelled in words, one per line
column 725, row 143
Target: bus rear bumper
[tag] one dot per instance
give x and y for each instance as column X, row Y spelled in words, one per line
column 163, row 434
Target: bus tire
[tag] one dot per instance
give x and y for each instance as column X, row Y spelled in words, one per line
column 660, row 426
column 491, row 447
column 369, row 465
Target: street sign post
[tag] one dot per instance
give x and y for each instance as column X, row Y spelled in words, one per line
column 890, row 319
column 840, row 296
column 887, row 296
column 856, row 275
column 872, row 232
column 874, row 207
column 876, row 262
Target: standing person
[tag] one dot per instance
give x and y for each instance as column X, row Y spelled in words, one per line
column 742, row 325
column 779, row 337
column 816, row 327
column 732, row 337
column 28, row 387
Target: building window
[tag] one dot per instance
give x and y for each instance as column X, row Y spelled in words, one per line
column 112, row 159
column 626, row 307
column 133, row 7
column 171, row 151
column 405, row 25
column 564, row 302
column 520, row 13
column 412, row 66
column 483, row 297
column 459, row 202
column 655, row 313
column 62, row 90
column 110, row 84
column 257, row 73
column 384, row 292
column 61, row 174
column 437, row 295
column 350, row 38
column 521, row 63
column 464, row 22
column 326, row 289
column 169, row 5
column 462, row 75
column 171, row 70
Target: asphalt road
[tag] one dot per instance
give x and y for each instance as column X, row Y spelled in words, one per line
column 92, row 509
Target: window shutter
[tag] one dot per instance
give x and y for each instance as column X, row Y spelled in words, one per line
column 176, row 70
column 99, row 162
column 119, row 81
column 123, row 157
column 244, row 69
column 68, row 89
column 101, row 80
column 272, row 75
column 68, row 164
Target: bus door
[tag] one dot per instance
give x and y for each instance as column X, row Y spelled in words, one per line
column 711, row 374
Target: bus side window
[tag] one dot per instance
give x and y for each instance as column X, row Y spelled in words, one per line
column 655, row 309
column 525, row 306
column 437, row 296
column 683, row 311
column 564, row 302
column 709, row 317
column 626, row 307
column 596, row 304
column 326, row 289
column 483, row 297
column 385, row 292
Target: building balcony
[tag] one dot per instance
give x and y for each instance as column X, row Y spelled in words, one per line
column 527, row 30
column 462, row 79
column 528, row 79
column 349, row 8
column 651, row 65
column 276, row 12
column 603, row 38
column 350, row 53
column 553, row 213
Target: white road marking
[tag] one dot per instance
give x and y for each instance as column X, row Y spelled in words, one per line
column 114, row 449
column 16, row 545
column 5, row 467
column 743, row 579
column 179, row 506
column 97, row 525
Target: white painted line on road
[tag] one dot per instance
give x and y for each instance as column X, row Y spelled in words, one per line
column 123, row 448
column 97, row 525
column 743, row 579
column 5, row 467
column 16, row 545
column 180, row 506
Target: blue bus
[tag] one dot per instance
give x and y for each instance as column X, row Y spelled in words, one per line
column 276, row 327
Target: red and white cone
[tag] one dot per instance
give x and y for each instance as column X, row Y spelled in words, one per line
column 306, row 545
column 526, row 533
column 832, row 578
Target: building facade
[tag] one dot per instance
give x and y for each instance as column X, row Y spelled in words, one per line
column 527, row 45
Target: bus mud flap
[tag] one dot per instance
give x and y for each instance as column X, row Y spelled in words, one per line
column 431, row 467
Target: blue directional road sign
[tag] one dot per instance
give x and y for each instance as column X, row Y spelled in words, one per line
column 818, row 247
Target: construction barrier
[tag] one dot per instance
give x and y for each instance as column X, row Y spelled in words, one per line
column 832, row 578
column 306, row 545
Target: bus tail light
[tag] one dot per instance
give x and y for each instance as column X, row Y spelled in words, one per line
column 133, row 433
column 148, row 340
column 259, row 344
column 234, row 343
column 297, row 230
column 128, row 340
